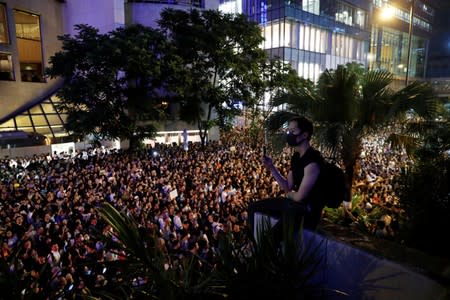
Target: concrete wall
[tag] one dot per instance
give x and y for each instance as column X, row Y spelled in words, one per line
column 38, row 150
column 57, row 18
column 360, row 275
column 350, row 273
column 104, row 15
column 165, row 137
column 143, row 13
column 14, row 94
column 24, row 151
column 149, row 13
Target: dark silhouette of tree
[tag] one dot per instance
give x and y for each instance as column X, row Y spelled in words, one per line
column 113, row 83
column 221, row 58
column 350, row 103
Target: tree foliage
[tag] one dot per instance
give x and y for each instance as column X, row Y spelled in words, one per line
column 114, row 82
column 209, row 63
column 349, row 104
column 425, row 192
column 240, row 268
column 220, row 56
column 276, row 77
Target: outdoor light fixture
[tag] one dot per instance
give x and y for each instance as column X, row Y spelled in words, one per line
column 388, row 12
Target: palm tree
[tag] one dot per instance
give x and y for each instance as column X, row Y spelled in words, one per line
column 147, row 271
column 242, row 268
column 258, row 267
column 349, row 104
column 428, row 207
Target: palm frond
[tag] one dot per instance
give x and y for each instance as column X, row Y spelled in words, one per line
column 160, row 275
column 276, row 120
column 126, row 230
column 10, row 277
column 374, row 83
column 375, row 100
column 419, row 127
column 329, row 136
column 338, row 96
column 402, row 141
column 418, row 98
column 299, row 99
column 295, row 101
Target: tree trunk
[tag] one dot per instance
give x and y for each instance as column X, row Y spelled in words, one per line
column 202, row 132
column 349, row 169
column 134, row 144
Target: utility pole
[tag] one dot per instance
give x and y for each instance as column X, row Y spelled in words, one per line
column 411, row 20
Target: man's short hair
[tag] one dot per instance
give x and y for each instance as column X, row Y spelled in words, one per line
column 303, row 124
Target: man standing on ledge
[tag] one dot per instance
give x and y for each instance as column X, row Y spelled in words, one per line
column 301, row 186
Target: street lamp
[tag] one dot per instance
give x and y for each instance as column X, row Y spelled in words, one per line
column 411, row 19
column 386, row 14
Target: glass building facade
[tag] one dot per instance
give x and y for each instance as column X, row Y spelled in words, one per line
column 41, row 117
column 312, row 35
column 391, row 37
column 28, row 37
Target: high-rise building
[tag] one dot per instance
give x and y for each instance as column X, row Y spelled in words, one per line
column 396, row 45
column 147, row 12
column 28, row 38
column 438, row 67
column 312, row 35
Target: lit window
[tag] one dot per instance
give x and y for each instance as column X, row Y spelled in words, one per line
column 268, row 40
column 4, row 39
column 287, row 34
column 276, row 35
column 28, row 34
column 6, row 67
column 312, row 6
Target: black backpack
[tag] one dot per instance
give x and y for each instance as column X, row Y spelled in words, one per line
column 333, row 188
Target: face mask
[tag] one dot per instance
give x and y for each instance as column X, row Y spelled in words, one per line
column 291, row 139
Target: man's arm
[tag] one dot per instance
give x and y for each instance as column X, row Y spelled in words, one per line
column 285, row 184
column 311, row 175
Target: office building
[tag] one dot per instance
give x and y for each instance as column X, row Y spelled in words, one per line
column 312, row 35
column 28, row 38
column 396, row 46
column 438, row 67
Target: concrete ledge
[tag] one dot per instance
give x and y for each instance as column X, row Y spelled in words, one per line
column 361, row 275
column 347, row 272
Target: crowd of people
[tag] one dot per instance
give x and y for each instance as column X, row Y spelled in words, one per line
column 48, row 204
column 377, row 181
